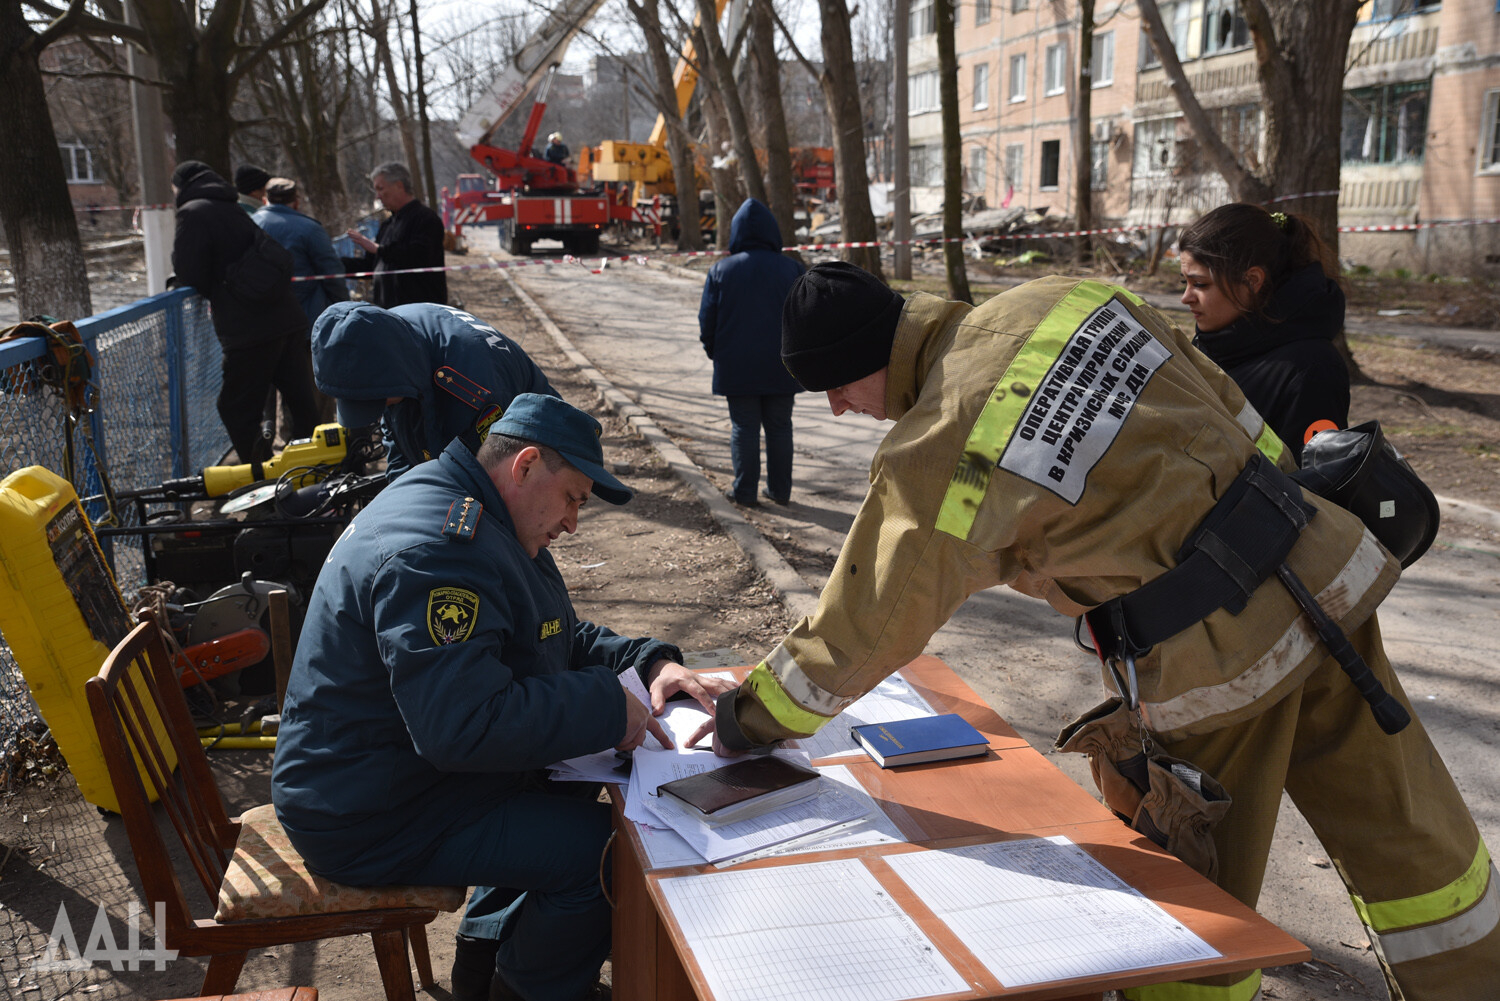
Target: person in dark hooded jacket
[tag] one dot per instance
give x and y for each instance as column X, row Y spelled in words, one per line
column 430, row 371
column 739, row 323
column 264, row 342
column 1261, row 286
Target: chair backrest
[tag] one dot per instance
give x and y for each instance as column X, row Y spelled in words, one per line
column 143, row 723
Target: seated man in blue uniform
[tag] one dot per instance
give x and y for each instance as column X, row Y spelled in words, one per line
column 440, row 669
column 431, row 371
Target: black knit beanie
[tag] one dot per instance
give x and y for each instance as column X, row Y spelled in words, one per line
column 187, row 170
column 837, row 326
column 248, row 177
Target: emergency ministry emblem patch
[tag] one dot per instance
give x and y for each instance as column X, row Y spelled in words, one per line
column 451, row 614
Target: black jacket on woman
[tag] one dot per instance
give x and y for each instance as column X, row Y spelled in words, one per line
column 1284, row 361
column 213, row 232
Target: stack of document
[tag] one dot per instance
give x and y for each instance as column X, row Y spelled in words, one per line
column 721, row 843
column 842, row 814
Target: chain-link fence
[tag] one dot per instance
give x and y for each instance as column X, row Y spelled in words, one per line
column 153, row 418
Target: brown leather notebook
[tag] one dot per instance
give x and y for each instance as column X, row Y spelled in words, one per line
column 743, row 789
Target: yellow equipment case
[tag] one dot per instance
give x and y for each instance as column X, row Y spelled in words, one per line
column 61, row 613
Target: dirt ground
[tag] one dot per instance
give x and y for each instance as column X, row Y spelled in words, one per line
column 658, row 566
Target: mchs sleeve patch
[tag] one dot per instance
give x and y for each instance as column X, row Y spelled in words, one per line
column 451, row 614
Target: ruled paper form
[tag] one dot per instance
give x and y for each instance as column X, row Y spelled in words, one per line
column 824, row 931
column 1042, row 909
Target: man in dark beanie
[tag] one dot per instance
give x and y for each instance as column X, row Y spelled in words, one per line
column 1067, row 440
column 837, row 324
column 263, row 336
column 250, row 181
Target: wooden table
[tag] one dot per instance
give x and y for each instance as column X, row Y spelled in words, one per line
column 282, row 994
column 1014, row 792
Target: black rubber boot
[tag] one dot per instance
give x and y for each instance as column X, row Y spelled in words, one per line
column 473, row 968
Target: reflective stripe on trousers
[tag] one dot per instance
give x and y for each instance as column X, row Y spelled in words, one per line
column 1243, row 990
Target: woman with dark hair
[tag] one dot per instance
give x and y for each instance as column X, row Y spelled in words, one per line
column 1263, row 291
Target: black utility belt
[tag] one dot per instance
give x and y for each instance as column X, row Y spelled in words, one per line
column 1242, row 542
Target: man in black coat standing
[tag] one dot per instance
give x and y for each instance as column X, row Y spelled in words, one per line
column 411, row 237
column 264, row 340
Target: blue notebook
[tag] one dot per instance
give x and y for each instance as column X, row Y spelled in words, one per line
column 928, row 738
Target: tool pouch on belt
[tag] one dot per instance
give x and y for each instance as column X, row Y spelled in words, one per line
column 1165, row 798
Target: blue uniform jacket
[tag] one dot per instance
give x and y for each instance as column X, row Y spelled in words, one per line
column 436, row 667
column 388, row 362
column 312, row 254
column 739, row 316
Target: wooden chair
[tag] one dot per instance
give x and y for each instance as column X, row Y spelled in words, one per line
column 263, row 892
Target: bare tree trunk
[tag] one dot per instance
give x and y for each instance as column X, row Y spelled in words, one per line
column 840, row 85
column 379, row 26
column 1300, row 51
column 727, row 193
column 647, row 14
column 296, row 92
column 718, row 60
column 1083, row 137
column 953, row 165
column 46, row 255
column 780, row 188
column 423, row 123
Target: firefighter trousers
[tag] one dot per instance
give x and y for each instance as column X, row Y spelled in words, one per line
column 1389, row 817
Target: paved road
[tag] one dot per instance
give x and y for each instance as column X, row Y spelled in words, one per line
column 1442, row 624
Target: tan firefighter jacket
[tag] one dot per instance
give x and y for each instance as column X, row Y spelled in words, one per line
column 1064, row 439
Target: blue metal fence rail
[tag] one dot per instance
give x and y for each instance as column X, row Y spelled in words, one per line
column 154, row 419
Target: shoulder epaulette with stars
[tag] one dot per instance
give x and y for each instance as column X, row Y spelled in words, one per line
column 463, row 519
column 454, row 382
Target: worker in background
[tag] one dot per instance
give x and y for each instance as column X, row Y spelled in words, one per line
column 1264, row 292
column 430, row 371
column 310, row 246
column 739, row 324
column 556, row 151
column 263, row 337
column 1066, row 439
column 440, row 669
column 250, row 182
column 410, row 237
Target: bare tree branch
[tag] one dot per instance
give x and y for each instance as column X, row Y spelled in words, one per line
column 1245, row 184
column 103, row 75
column 84, row 23
column 60, row 26
column 792, row 43
column 275, row 39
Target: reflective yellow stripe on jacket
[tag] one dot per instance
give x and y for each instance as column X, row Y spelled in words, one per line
column 1266, row 440
column 992, row 431
column 792, row 698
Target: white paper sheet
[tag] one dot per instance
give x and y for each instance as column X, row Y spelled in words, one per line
column 824, row 931
column 892, row 699
column 665, row 848
column 680, row 719
column 1042, row 909
column 727, row 843
column 874, row 828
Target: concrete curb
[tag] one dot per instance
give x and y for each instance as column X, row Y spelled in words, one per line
column 799, row 598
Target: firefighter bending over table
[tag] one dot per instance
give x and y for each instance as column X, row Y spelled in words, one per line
column 1065, row 439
